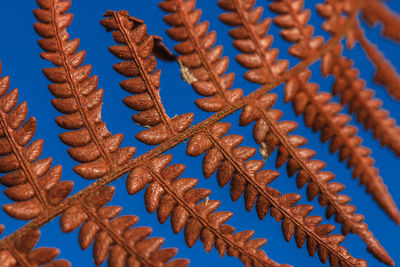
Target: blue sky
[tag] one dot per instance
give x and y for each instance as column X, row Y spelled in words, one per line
column 19, row 54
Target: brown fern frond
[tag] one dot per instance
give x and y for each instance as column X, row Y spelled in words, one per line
column 259, row 58
column 184, row 20
column 138, row 47
column 168, row 142
column 374, row 11
column 164, row 194
column 22, row 253
column 245, row 176
column 93, row 188
column 202, row 62
column 257, row 75
column 343, row 137
column 31, row 182
column 97, row 186
column 180, row 200
column 272, row 134
column 318, row 112
column 92, row 144
column 113, row 236
column 241, row 251
column 44, row 218
column 352, row 89
column 54, row 192
column 385, row 73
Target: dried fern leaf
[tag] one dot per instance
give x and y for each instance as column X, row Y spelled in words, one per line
column 232, row 164
column 165, row 194
column 139, row 48
column 322, row 115
column 318, row 112
column 275, row 135
column 254, row 245
column 31, row 182
column 374, row 245
column 114, row 238
column 22, row 253
column 177, row 20
column 178, row 199
column 374, row 11
column 94, row 194
column 127, row 166
column 93, row 188
column 334, row 127
column 352, row 89
column 92, row 144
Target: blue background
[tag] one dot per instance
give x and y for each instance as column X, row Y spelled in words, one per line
column 19, row 54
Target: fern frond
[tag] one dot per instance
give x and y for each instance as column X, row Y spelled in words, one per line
column 251, row 39
column 22, row 253
column 129, row 69
column 360, row 100
column 352, row 89
column 318, row 112
column 273, row 134
column 97, row 186
column 31, row 181
column 169, row 197
column 257, row 75
column 102, row 158
column 38, row 190
column 123, row 169
column 93, row 145
column 245, row 176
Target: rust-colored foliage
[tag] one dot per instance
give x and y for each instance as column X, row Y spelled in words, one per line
column 40, row 196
